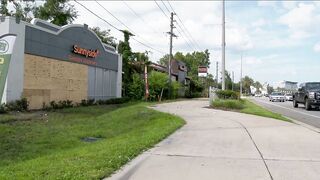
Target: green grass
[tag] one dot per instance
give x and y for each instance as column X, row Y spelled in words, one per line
column 50, row 147
column 248, row 107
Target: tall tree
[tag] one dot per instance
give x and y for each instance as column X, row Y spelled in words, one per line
column 247, row 82
column 3, row 8
column 58, row 12
column 105, row 36
column 127, row 56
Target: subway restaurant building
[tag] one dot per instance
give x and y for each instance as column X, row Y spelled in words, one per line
column 44, row 62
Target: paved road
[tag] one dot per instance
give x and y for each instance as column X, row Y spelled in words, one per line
column 286, row 108
column 226, row 145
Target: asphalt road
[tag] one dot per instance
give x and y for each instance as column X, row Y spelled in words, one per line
column 286, row 108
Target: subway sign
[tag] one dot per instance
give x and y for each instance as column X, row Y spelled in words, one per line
column 85, row 52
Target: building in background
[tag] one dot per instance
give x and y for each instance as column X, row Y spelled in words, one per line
column 287, row 86
column 52, row 63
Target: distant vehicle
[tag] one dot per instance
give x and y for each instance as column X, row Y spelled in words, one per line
column 288, row 97
column 258, row 95
column 308, row 94
column 277, row 96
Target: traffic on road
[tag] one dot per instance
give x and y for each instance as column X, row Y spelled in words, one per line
column 286, row 108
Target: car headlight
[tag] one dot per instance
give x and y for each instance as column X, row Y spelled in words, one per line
column 311, row 95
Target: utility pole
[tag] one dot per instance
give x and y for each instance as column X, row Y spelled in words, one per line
column 217, row 74
column 232, row 80
column 223, row 46
column 170, row 51
column 241, row 77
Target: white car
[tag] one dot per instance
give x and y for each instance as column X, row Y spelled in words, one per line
column 277, row 96
column 288, row 97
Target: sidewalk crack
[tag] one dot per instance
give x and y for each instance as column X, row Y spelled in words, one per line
column 254, row 143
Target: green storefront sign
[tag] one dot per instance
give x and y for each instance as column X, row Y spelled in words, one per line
column 6, row 47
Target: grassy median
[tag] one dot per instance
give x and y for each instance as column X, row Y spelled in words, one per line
column 246, row 106
column 79, row 143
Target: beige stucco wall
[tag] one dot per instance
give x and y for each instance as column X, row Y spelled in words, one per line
column 48, row 80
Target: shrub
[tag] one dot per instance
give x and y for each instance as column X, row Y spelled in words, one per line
column 18, row 105
column 117, row 100
column 228, row 104
column 227, row 94
column 136, row 88
column 3, row 109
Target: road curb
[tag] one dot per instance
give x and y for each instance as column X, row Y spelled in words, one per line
column 303, row 124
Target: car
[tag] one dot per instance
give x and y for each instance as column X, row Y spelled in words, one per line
column 308, row 94
column 288, row 97
column 277, row 96
column 258, row 95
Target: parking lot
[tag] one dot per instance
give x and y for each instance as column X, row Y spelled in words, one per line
column 311, row 117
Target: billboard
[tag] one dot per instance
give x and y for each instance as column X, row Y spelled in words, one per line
column 6, row 47
column 202, row 71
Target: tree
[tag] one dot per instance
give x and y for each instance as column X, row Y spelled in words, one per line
column 258, row 86
column 247, row 82
column 22, row 10
column 4, row 10
column 158, row 82
column 58, row 12
column 269, row 89
column 136, row 88
column 105, row 36
column 127, row 56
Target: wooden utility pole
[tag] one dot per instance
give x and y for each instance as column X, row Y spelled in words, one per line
column 170, row 50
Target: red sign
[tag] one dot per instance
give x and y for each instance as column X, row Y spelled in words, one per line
column 202, row 69
column 85, row 52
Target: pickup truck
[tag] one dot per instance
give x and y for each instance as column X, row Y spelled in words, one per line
column 308, row 94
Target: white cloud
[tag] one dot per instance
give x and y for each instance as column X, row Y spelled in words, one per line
column 289, row 4
column 267, row 4
column 302, row 21
column 259, row 23
column 316, row 47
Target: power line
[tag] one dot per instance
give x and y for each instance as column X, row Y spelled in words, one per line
column 183, row 25
column 161, row 52
column 97, row 15
column 114, row 17
column 175, row 21
column 136, row 14
column 165, row 6
column 161, row 9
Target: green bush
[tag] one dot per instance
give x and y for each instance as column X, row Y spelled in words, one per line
column 3, row 109
column 18, row 105
column 136, row 88
column 228, row 104
column 227, row 94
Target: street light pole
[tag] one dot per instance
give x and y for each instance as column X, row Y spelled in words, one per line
column 223, row 46
column 241, row 77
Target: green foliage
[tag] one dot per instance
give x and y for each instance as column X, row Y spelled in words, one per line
column 247, row 82
column 158, row 82
column 175, row 89
column 3, row 8
column 228, row 104
column 85, row 102
column 18, row 105
column 194, row 89
column 227, row 94
column 58, row 12
column 3, row 108
column 136, row 88
column 105, row 36
column 51, row 148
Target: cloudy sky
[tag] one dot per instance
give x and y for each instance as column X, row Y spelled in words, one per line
column 278, row 40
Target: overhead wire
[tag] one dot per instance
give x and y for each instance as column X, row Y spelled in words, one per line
column 146, row 45
column 178, row 24
column 184, row 25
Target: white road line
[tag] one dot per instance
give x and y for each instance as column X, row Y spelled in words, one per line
column 290, row 109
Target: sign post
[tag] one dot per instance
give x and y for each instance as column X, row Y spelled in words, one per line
column 6, row 47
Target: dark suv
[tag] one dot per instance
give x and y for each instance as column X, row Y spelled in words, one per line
column 307, row 94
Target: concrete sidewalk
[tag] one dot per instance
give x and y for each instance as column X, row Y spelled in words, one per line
column 223, row 145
